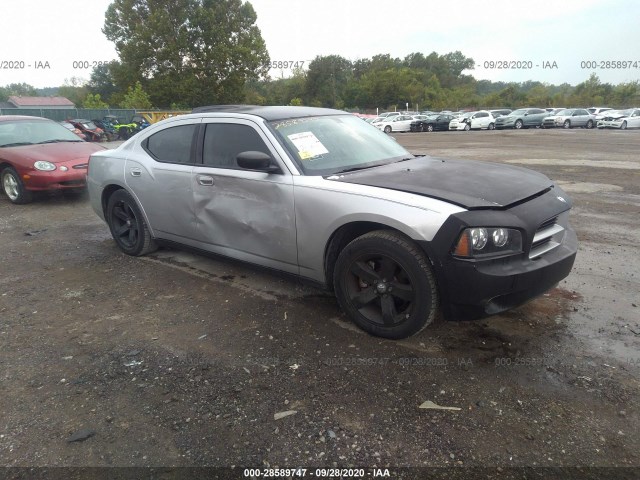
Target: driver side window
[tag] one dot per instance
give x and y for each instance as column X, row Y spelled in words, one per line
column 224, row 141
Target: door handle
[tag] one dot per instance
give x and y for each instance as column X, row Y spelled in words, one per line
column 205, row 181
column 136, row 172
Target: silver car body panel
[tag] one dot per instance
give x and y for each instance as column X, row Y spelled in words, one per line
column 268, row 219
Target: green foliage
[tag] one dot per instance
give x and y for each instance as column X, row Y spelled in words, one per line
column 136, row 98
column 17, row 89
column 74, row 89
column 94, row 102
column 102, row 81
column 192, row 52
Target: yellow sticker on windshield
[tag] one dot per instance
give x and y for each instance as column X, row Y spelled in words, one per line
column 308, row 145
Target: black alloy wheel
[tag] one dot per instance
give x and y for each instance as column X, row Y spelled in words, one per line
column 383, row 281
column 127, row 225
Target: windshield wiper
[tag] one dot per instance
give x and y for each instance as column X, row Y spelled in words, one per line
column 58, row 141
column 16, row 144
column 353, row 169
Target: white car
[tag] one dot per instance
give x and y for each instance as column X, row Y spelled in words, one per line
column 621, row 119
column 398, row 123
column 389, row 114
column 480, row 120
column 598, row 110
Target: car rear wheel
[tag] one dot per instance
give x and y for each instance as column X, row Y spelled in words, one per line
column 14, row 188
column 518, row 124
column 590, row 124
column 387, row 129
column 385, row 285
column 566, row 124
column 127, row 225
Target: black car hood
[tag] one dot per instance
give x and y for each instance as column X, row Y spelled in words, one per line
column 469, row 184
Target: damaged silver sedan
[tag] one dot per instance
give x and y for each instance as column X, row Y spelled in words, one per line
column 323, row 195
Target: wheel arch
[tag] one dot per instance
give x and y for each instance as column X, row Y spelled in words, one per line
column 5, row 164
column 344, row 235
column 110, row 189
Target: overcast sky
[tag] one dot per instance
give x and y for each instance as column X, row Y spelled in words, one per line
column 566, row 32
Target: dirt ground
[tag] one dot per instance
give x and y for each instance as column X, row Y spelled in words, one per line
column 177, row 360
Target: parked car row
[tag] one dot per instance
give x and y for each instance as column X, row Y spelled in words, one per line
column 601, row 117
column 108, row 128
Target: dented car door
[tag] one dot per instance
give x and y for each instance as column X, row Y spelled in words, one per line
column 243, row 213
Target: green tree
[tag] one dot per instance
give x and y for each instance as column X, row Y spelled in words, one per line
column 74, row 89
column 626, row 94
column 102, row 81
column 327, row 79
column 19, row 89
column 191, row 52
column 136, row 98
column 590, row 92
column 94, row 102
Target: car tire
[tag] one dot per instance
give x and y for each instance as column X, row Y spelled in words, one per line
column 420, row 128
column 128, row 226
column 467, row 127
column 430, row 127
column 14, row 188
column 566, row 124
column 491, row 127
column 590, row 124
column 624, row 125
column 518, row 125
column 387, row 129
column 385, row 284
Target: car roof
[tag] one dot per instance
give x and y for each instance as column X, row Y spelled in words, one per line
column 270, row 113
column 13, row 118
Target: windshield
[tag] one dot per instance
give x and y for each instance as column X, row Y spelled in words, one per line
column 88, row 124
column 565, row 112
column 27, row 132
column 520, row 111
column 332, row 144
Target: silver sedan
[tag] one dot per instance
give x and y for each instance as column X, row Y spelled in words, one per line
column 323, row 195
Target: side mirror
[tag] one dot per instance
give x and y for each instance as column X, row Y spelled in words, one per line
column 252, row 160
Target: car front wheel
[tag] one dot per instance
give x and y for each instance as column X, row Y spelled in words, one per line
column 429, row 128
column 491, row 127
column 518, row 124
column 624, row 125
column 566, row 124
column 387, row 129
column 13, row 187
column 127, row 225
column 384, row 283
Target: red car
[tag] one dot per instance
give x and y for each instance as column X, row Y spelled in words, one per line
column 38, row 154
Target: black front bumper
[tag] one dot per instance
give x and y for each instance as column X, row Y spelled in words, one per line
column 471, row 289
column 478, row 289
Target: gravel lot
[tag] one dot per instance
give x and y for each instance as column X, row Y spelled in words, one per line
column 177, row 360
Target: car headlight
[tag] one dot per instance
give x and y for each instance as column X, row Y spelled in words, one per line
column 44, row 166
column 483, row 242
